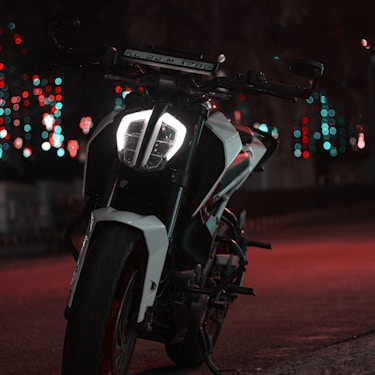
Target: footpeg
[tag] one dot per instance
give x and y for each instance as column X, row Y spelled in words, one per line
column 242, row 290
column 263, row 245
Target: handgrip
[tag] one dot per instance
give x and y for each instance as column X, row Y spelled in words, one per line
column 257, row 82
column 284, row 90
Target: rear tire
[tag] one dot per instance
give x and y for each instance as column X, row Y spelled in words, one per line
column 99, row 338
column 190, row 352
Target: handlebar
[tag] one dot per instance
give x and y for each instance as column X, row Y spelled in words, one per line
column 256, row 83
column 149, row 67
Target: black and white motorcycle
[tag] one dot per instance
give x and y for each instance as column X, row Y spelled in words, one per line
column 163, row 257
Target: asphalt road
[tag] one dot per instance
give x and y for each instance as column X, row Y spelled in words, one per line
column 314, row 289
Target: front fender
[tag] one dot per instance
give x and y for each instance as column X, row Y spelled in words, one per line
column 157, row 242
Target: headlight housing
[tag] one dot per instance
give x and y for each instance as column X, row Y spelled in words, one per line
column 167, row 137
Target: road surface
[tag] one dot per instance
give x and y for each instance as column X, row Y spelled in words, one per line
column 314, row 289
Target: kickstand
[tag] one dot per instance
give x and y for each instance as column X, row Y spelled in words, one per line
column 207, row 347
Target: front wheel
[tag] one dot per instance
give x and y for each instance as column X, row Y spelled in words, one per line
column 99, row 337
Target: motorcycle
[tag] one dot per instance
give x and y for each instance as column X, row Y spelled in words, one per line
column 163, row 257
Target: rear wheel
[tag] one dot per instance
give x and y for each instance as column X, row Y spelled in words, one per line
column 190, row 352
column 99, row 337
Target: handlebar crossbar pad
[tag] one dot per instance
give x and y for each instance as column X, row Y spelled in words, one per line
column 170, row 62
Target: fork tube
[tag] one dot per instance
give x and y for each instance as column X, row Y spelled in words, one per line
column 183, row 177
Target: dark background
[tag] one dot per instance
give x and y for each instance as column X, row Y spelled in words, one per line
column 260, row 35
column 249, row 33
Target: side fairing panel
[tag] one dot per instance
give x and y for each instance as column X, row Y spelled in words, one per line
column 231, row 144
column 98, row 156
column 225, row 131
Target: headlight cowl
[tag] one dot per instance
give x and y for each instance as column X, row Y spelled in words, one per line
column 167, row 137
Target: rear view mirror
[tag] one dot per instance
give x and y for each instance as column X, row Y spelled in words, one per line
column 307, row 68
column 64, row 22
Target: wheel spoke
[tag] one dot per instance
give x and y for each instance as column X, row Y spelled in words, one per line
column 124, row 336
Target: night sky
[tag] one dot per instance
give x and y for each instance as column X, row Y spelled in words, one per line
column 237, row 28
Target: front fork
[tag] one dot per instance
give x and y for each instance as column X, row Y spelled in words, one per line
column 181, row 177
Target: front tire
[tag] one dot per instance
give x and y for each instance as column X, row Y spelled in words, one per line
column 99, row 337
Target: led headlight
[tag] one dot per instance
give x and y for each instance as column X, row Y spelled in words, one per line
column 130, row 133
column 166, row 139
